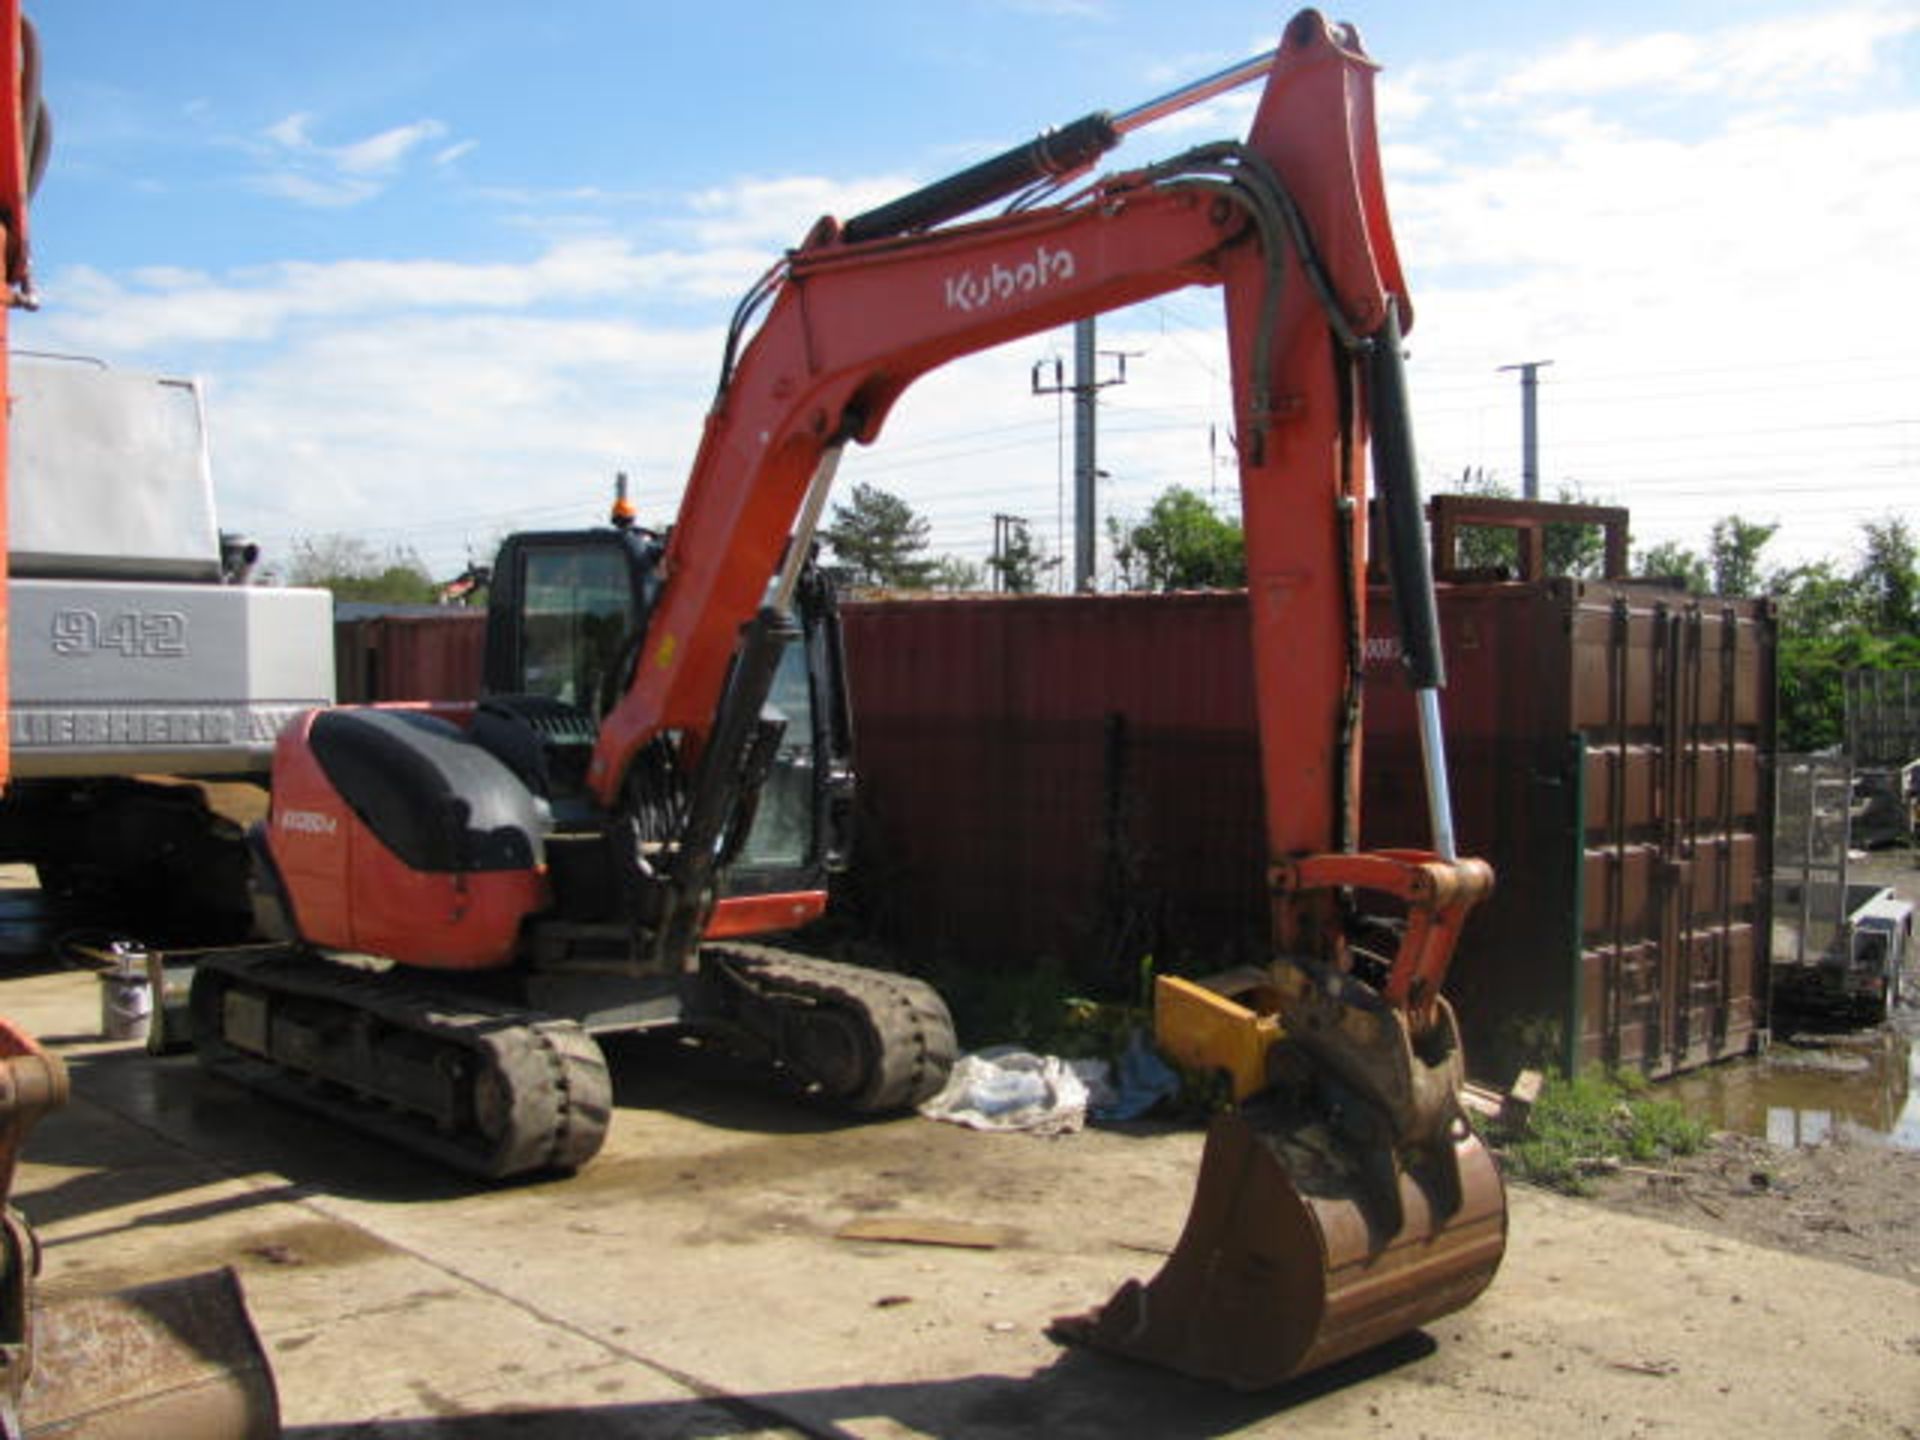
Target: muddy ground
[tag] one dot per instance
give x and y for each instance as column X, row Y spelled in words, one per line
column 1854, row 1198
column 1845, row 1200
column 700, row 1280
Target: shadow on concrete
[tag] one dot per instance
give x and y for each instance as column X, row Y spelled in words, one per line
column 701, row 1082
column 141, row 1127
column 1083, row 1393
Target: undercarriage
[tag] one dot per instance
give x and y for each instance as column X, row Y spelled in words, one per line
column 463, row 1073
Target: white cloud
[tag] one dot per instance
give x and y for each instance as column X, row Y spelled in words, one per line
column 321, row 193
column 1805, row 54
column 1590, row 67
column 773, row 215
column 1399, row 100
column 153, row 310
column 300, row 169
column 428, row 402
column 382, row 154
column 1701, row 295
column 443, row 431
column 291, row 133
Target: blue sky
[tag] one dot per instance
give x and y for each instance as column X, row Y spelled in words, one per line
column 445, row 268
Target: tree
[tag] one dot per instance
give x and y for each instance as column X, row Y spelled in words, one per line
column 1733, row 551
column 1019, row 562
column 1184, row 544
column 1815, row 601
column 1832, row 621
column 1672, row 561
column 1888, row 577
column 952, row 574
column 877, row 539
column 353, row 570
column 1812, row 672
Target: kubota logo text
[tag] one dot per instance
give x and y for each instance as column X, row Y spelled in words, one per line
column 997, row 284
column 308, row 822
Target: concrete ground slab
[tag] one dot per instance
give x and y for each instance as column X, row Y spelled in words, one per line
column 692, row 1281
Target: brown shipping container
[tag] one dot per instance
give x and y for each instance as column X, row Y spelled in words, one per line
column 1064, row 779
column 434, row 655
column 1077, row 778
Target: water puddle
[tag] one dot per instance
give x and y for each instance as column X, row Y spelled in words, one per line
column 1812, row 1086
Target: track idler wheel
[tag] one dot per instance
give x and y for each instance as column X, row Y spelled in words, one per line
column 1283, row 1267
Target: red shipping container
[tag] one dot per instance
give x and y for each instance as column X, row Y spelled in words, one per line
column 427, row 654
column 1065, row 778
column 1077, row 778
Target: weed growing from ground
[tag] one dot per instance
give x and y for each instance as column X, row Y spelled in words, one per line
column 1591, row 1123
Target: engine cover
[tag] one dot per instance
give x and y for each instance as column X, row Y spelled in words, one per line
column 394, row 834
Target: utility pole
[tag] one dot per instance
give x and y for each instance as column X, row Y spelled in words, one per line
column 1085, row 464
column 1529, row 424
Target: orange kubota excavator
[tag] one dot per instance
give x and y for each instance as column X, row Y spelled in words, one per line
column 659, row 768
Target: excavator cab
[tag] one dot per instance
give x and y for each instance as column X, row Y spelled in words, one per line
column 561, row 606
column 566, row 613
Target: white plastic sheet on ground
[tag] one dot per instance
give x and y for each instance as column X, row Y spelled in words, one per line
column 1007, row 1088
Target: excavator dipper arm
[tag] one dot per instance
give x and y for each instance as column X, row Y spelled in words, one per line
column 1347, row 1201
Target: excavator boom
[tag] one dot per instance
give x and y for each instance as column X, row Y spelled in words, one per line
column 1293, row 226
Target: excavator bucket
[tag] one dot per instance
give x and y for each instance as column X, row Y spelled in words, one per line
column 1281, row 1269
column 176, row 1360
column 1345, row 1202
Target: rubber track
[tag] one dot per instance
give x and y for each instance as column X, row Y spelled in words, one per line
column 551, row 1095
column 909, row 1031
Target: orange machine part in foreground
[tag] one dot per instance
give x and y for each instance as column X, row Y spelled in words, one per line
column 176, row 1360
column 13, row 246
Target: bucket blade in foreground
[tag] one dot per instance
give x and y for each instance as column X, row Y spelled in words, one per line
column 176, row 1360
